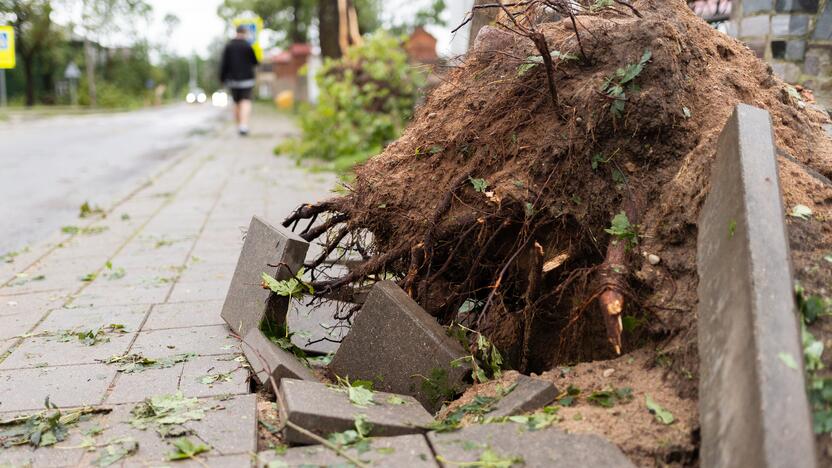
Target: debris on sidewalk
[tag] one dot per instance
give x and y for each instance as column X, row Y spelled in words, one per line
column 396, row 345
column 324, row 410
column 267, row 249
column 269, row 362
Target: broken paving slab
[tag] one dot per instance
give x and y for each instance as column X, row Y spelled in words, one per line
column 753, row 405
column 269, row 360
column 266, row 249
column 529, row 394
column 512, row 442
column 404, row 451
column 323, row 410
column 400, row 348
column 314, row 326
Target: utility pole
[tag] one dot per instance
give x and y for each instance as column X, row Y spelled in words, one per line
column 3, row 97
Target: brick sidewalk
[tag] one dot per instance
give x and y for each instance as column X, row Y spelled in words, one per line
column 176, row 240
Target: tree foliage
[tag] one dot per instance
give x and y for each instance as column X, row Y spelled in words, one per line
column 366, row 99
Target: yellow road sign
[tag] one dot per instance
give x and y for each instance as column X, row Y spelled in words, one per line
column 254, row 25
column 6, row 47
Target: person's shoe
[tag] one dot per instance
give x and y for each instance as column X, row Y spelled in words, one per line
column 243, row 131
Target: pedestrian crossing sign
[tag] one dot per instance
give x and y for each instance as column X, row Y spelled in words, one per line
column 254, row 26
column 6, row 47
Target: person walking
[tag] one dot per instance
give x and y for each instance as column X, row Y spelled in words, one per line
column 237, row 73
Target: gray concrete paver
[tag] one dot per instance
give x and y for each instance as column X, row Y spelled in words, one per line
column 67, row 386
column 184, row 314
column 203, row 341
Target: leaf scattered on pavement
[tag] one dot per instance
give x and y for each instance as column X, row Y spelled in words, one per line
column 608, row 398
column 117, row 450
column 130, row 363
column 788, row 360
column 166, row 414
column 184, row 449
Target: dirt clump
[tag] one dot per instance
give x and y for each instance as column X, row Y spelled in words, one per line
column 492, row 180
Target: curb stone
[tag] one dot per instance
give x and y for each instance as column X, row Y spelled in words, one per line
column 753, row 404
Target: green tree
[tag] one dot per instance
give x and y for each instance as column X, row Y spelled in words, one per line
column 34, row 34
column 99, row 19
column 291, row 17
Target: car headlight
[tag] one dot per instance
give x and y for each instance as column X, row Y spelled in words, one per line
column 201, row 98
column 190, row 98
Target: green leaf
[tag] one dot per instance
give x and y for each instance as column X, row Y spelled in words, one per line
column 732, row 229
column 801, row 212
column 360, row 396
column 185, row 449
column 293, row 287
column 479, row 184
column 788, row 360
column 622, row 229
column 117, row 450
column 396, row 400
column 662, row 415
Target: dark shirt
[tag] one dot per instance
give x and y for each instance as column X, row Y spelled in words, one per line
column 238, row 61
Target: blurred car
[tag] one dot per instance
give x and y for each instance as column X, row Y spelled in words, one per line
column 196, row 96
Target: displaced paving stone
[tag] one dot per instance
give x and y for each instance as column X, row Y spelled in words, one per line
column 529, row 394
column 402, row 451
column 398, row 346
column 314, row 326
column 753, row 406
column 247, row 303
column 266, row 358
column 324, row 410
column 543, row 448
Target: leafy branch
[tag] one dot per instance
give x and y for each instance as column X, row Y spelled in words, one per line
column 614, row 85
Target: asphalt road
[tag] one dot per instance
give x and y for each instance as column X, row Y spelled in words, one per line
column 50, row 166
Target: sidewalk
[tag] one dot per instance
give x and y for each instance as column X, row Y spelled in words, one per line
column 157, row 269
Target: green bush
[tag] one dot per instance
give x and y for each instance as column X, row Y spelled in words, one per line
column 366, row 98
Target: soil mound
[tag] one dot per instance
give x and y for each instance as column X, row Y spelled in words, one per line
column 493, row 180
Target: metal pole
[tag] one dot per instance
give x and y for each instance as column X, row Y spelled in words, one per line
column 3, row 98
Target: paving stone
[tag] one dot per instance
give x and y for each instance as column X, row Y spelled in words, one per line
column 184, row 314
column 228, row 427
column 51, row 351
column 63, row 454
column 31, row 304
column 314, row 326
column 203, row 341
column 266, row 359
column 401, row 451
column 233, row 380
column 67, row 386
column 753, row 407
column 92, row 317
column 214, row 290
column 118, row 295
column 323, row 410
column 12, row 326
column 393, row 342
column 789, row 25
column 247, row 303
column 543, row 448
column 529, row 395
column 818, row 60
column 135, row 387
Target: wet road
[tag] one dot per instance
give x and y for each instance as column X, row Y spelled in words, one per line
column 50, row 166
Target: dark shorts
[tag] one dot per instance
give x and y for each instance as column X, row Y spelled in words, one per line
column 241, row 94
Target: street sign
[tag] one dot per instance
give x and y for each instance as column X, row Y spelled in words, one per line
column 6, row 47
column 254, row 26
column 72, row 71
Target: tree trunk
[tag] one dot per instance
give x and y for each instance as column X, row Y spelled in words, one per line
column 28, row 73
column 481, row 17
column 328, row 25
column 89, row 53
column 295, row 34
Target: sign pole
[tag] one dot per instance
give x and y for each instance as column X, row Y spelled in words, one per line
column 3, row 98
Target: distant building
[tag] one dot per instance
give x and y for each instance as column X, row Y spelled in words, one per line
column 280, row 71
column 421, row 47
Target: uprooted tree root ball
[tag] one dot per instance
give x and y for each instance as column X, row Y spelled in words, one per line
column 561, row 223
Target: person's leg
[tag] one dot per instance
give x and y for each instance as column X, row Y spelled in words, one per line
column 245, row 114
